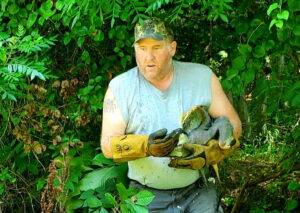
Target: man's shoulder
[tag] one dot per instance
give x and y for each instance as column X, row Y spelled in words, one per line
column 125, row 77
column 191, row 66
column 192, row 69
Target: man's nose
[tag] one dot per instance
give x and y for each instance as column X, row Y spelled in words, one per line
column 149, row 55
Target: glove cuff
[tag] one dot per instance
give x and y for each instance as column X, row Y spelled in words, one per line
column 129, row 147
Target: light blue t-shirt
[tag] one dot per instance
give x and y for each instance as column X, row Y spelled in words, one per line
column 146, row 109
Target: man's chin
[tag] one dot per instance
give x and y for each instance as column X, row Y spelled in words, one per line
column 149, row 73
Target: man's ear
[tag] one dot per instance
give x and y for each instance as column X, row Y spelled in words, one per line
column 173, row 48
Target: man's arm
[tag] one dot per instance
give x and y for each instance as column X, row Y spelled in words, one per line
column 115, row 144
column 221, row 106
column 113, row 123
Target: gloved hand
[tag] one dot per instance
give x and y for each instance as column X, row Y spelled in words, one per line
column 215, row 154
column 210, row 154
column 196, row 160
column 130, row 147
column 160, row 144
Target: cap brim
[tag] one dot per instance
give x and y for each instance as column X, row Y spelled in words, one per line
column 153, row 36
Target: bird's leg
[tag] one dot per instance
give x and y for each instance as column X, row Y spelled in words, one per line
column 215, row 167
column 204, row 177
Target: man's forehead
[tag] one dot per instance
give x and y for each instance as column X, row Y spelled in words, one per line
column 150, row 42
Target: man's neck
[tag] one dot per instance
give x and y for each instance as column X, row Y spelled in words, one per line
column 164, row 82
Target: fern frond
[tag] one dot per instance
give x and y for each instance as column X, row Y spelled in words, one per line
column 21, row 30
column 27, row 44
column 9, row 77
column 32, row 70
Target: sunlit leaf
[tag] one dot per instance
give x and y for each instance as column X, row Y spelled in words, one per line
column 283, row 15
column 272, row 7
column 111, row 199
column 144, row 198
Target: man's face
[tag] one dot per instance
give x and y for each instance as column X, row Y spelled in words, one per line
column 154, row 57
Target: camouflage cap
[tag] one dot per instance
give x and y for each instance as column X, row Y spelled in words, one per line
column 152, row 28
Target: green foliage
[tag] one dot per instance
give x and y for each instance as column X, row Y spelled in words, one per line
column 57, row 57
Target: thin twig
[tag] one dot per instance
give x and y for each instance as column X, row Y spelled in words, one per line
column 296, row 124
column 39, row 161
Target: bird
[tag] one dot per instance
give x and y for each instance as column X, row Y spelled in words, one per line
column 201, row 131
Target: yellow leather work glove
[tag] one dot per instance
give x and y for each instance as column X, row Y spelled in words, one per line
column 130, row 147
column 214, row 154
column 196, row 160
column 210, row 154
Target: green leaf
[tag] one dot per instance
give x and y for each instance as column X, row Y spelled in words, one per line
column 4, row 113
column 274, row 21
column 272, row 7
column 67, row 38
column 87, row 194
column 70, row 185
column 74, row 203
column 75, row 20
column 31, row 19
column 11, row 97
column 296, row 100
column 279, row 24
column 296, row 30
column 32, row 168
column 4, row 95
column 13, row 9
column 283, row 15
column 231, row 73
column 224, row 18
column 85, row 91
column 41, row 20
column 3, row 4
column 56, row 182
column 248, row 76
column 59, row 4
column 292, row 204
column 256, row 22
column 93, row 202
column 103, row 210
column 144, row 198
column 244, row 49
column 269, row 44
column 99, row 36
column 139, row 209
column 126, row 208
column 80, row 41
column 40, row 184
column 111, row 199
column 123, row 192
column 259, row 51
column 2, row 56
column 45, row 9
column 98, row 177
column 239, row 63
column 112, row 22
column 99, row 159
column 293, row 185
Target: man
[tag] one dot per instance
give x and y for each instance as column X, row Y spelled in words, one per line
column 151, row 97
